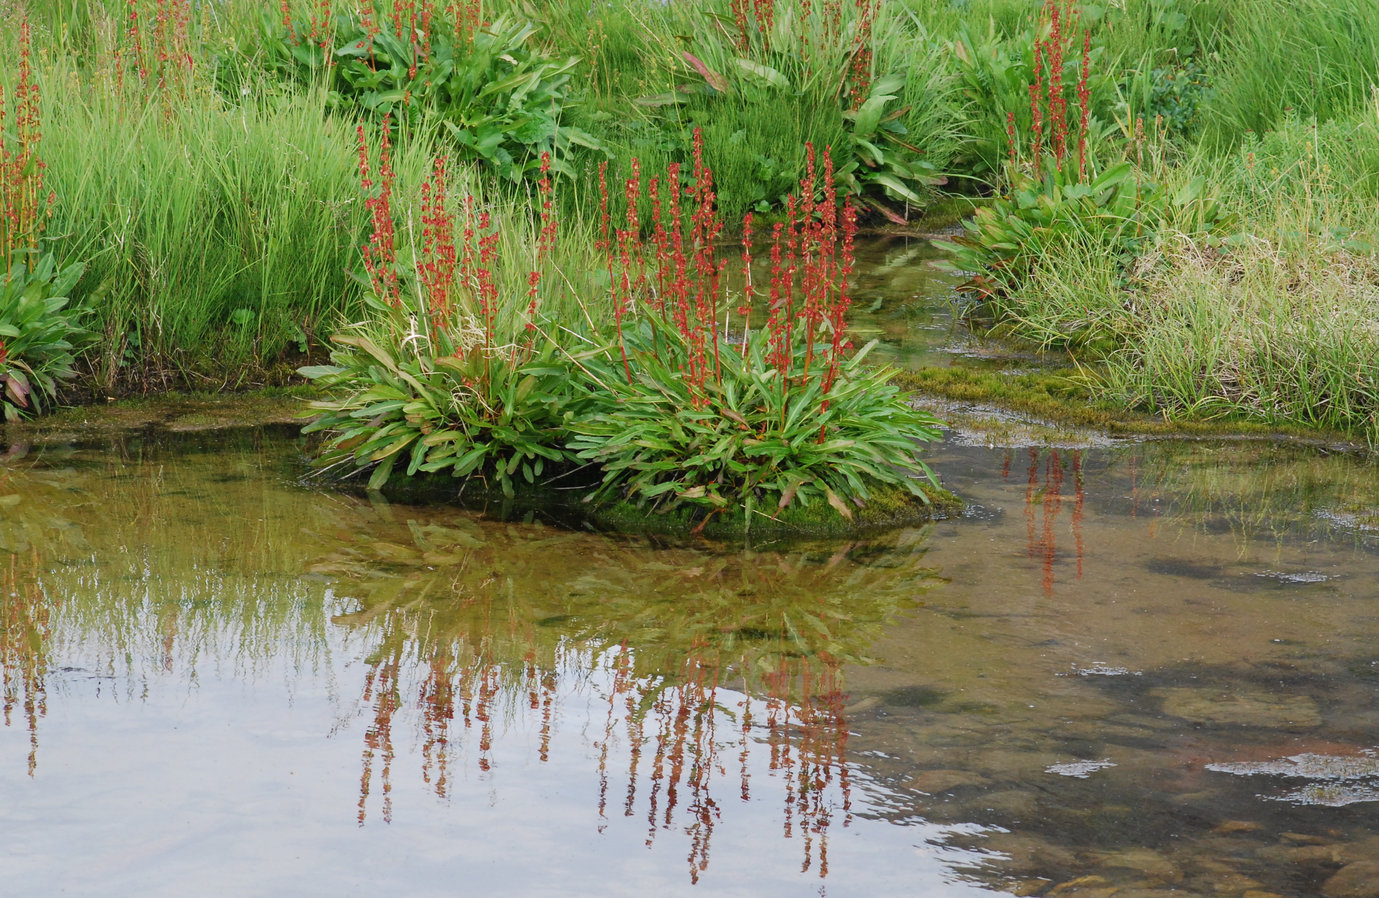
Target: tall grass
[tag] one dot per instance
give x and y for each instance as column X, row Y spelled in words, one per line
column 217, row 236
column 936, row 116
column 1311, row 58
column 1258, row 333
column 1279, row 330
column 1307, row 179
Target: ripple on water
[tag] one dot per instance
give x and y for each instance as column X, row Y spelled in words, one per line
column 1332, row 780
column 1299, row 577
column 1079, row 769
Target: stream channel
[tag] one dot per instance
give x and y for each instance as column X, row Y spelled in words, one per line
column 1127, row 669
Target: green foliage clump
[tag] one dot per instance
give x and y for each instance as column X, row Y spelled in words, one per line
column 1060, row 196
column 459, row 371
column 1306, row 58
column 856, row 78
column 755, row 438
column 424, row 401
column 489, row 88
column 39, row 334
column 37, row 330
column 1119, row 212
column 447, row 373
column 1175, row 97
column 1249, row 331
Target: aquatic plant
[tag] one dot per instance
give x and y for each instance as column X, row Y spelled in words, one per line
column 38, row 334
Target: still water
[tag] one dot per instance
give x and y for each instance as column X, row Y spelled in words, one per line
column 1126, row 669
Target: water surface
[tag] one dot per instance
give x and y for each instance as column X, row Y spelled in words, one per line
column 1126, row 669
column 1101, row 670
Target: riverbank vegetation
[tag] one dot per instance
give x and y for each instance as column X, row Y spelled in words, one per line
column 534, row 277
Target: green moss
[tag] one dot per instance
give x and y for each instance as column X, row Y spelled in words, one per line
column 888, row 507
column 946, row 213
column 177, row 412
column 1068, row 397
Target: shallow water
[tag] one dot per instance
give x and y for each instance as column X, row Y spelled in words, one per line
column 1127, row 669
column 1102, row 669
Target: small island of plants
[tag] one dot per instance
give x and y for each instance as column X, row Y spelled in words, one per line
column 494, row 353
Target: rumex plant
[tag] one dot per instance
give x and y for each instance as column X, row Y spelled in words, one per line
column 1037, row 97
column 678, row 396
column 154, row 44
column 38, row 332
column 444, row 376
column 1056, row 192
column 698, row 406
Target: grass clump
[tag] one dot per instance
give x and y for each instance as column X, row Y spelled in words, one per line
column 1248, row 299
column 1308, row 58
column 1253, row 332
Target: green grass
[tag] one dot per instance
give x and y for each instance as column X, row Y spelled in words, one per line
column 1275, row 336
column 1250, row 330
column 1310, row 58
column 217, row 237
column 1078, row 399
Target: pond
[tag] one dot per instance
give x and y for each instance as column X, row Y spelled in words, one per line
column 1126, row 669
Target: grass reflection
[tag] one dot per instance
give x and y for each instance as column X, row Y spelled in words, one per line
column 698, row 678
column 171, row 559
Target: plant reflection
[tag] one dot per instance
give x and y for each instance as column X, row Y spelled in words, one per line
column 1044, row 502
column 702, row 661
column 25, row 634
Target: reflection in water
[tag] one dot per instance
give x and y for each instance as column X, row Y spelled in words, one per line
column 727, row 654
column 1150, row 668
column 1044, row 501
column 674, row 749
column 25, row 630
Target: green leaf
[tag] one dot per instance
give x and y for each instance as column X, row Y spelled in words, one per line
column 894, row 186
column 381, row 473
column 762, row 74
column 868, row 117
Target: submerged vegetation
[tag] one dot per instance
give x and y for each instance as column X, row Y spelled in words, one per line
column 1178, row 193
